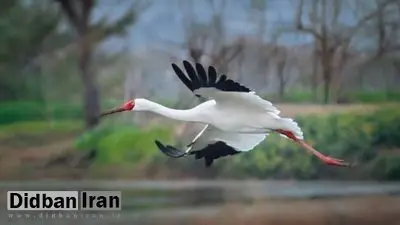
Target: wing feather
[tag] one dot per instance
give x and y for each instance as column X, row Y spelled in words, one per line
column 223, row 90
column 211, row 143
column 239, row 141
column 212, row 73
column 202, row 73
column 182, row 77
column 192, row 74
column 215, row 143
column 248, row 100
column 197, row 79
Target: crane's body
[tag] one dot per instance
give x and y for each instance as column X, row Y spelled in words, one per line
column 235, row 119
column 221, row 116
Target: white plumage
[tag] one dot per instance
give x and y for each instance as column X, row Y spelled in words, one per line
column 239, row 141
column 235, row 118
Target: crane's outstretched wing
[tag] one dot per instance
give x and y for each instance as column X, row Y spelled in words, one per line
column 207, row 84
column 199, row 78
column 212, row 143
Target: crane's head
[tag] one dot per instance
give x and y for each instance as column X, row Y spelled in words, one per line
column 127, row 106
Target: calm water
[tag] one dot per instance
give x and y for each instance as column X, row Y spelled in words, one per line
column 149, row 199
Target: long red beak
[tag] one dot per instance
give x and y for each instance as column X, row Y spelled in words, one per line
column 112, row 111
column 127, row 106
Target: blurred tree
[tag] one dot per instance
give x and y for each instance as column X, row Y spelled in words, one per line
column 258, row 14
column 89, row 34
column 260, row 6
column 321, row 19
column 386, row 32
column 79, row 14
column 333, row 38
column 25, row 26
column 280, row 56
column 208, row 39
column 387, row 24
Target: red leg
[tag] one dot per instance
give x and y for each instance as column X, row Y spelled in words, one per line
column 325, row 159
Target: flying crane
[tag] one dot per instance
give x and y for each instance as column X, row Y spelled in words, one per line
column 235, row 118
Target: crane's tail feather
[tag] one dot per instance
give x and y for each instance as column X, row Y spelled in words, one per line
column 292, row 126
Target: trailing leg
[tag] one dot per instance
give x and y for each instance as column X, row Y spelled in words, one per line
column 325, row 159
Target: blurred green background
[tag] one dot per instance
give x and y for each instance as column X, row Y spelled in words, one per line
column 334, row 66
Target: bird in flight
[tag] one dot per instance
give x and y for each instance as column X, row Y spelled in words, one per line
column 235, row 118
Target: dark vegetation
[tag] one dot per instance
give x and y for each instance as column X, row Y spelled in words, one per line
column 51, row 84
column 371, row 139
column 19, row 111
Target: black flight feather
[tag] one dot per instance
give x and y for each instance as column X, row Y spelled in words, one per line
column 197, row 77
column 192, row 75
column 182, row 76
column 214, row 151
column 202, row 73
column 209, row 153
column 212, row 73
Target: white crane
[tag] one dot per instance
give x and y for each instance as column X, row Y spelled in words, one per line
column 235, row 118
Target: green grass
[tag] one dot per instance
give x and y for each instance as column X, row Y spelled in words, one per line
column 39, row 128
column 374, row 96
column 349, row 135
column 17, row 111
column 11, row 112
column 119, row 143
column 294, row 96
column 306, row 96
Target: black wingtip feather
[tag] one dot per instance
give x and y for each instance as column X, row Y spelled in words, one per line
column 197, row 78
column 212, row 73
column 209, row 153
column 169, row 150
column 202, row 74
column 182, row 77
column 208, row 161
column 196, row 84
column 159, row 145
column 214, row 151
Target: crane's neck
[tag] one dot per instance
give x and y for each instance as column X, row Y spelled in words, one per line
column 191, row 115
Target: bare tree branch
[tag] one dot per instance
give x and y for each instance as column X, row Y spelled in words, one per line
column 299, row 22
column 73, row 18
column 381, row 5
column 337, row 6
column 87, row 6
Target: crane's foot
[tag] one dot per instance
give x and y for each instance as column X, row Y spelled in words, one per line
column 170, row 150
column 325, row 159
column 334, row 162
